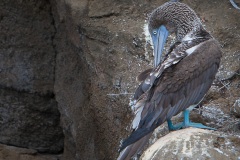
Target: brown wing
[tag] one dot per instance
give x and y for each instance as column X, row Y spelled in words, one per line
column 178, row 87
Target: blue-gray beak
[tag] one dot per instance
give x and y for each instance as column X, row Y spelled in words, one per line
column 159, row 37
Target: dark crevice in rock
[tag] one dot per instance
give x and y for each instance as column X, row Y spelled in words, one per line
column 48, row 94
column 105, row 16
column 52, row 38
column 90, row 38
column 93, row 34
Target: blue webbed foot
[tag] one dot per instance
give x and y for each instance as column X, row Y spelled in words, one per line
column 186, row 123
column 199, row 125
column 172, row 127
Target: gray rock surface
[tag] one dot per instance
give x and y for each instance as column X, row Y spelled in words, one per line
column 236, row 108
column 193, row 143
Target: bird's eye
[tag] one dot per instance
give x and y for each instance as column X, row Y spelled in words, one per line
column 154, row 32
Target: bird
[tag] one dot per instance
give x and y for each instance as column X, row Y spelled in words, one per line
column 178, row 81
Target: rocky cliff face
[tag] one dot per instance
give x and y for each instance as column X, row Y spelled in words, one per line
column 29, row 115
column 68, row 68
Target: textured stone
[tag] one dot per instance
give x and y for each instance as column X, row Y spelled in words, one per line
column 30, row 121
column 230, row 66
column 193, row 143
column 236, row 108
column 105, row 8
column 27, row 56
column 29, row 116
column 16, row 153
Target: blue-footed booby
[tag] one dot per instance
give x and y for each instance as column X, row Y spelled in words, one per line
column 179, row 79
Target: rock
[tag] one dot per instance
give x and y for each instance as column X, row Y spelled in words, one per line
column 230, row 66
column 30, row 121
column 193, row 143
column 29, row 115
column 71, row 88
column 236, row 108
column 27, row 56
column 215, row 115
column 16, row 153
column 105, row 8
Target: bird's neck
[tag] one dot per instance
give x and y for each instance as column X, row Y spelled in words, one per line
column 198, row 33
column 192, row 39
column 191, row 28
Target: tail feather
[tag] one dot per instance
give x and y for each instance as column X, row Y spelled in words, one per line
column 134, row 149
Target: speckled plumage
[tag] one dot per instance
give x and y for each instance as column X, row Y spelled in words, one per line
column 176, row 17
column 179, row 81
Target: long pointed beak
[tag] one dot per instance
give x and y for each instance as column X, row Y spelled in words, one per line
column 159, row 40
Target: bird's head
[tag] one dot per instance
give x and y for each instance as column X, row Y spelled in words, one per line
column 171, row 17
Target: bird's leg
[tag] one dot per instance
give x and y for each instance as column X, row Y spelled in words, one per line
column 186, row 122
column 172, row 127
column 180, row 125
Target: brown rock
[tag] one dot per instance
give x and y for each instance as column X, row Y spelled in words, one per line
column 16, row 153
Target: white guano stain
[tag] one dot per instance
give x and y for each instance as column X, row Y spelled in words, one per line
column 204, row 149
column 186, row 150
column 148, row 39
column 219, row 151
